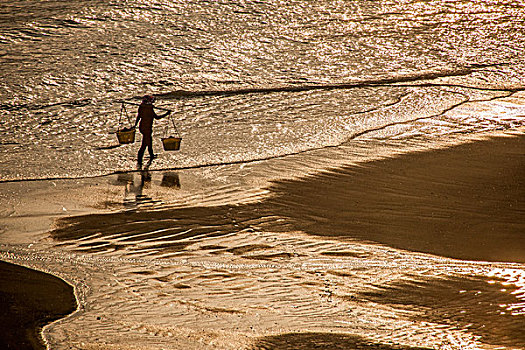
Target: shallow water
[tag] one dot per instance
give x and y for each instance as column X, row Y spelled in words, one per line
column 292, row 116
column 247, row 80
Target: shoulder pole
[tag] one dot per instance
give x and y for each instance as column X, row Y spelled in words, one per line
column 137, row 104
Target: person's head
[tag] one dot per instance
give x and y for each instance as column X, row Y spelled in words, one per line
column 148, row 99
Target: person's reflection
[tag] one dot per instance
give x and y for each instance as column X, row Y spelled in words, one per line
column 145, row 181
column 138, row 190
column 136, row 183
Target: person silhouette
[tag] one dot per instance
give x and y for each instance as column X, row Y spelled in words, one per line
column 146, row 115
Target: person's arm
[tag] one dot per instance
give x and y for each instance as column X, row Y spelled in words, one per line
column 162, row 116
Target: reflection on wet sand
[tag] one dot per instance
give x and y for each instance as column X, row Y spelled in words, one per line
column 453, row 202
column 170, row 179
column 478, row 305
column 138, row 189
column 137, row 183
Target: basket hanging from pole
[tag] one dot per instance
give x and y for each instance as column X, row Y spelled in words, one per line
column 125, row 135
column 171, row 143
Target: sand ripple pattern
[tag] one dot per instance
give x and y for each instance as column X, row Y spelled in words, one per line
column 252, row 269
column 228, row 291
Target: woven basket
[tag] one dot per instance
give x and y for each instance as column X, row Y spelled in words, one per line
column 125, row 137
column 171, row 143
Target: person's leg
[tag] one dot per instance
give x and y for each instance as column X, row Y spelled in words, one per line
column 143, row 146
column 150, row 148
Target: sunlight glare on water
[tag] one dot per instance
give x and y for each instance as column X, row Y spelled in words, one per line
column 305, row 130
column 64, row 68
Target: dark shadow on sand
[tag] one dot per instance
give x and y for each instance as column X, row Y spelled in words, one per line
column 29, row 300
column 322, row 341
column 465, row 202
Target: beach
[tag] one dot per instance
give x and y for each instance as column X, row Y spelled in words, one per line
column 350, row 174
column 463, row 202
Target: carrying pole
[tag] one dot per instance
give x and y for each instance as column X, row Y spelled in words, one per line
column 138, row 104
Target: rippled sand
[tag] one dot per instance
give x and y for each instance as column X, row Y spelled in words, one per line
column 338, row 259
column 336, row 184
column 465, row 202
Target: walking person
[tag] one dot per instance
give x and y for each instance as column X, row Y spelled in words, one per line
column 146, row 115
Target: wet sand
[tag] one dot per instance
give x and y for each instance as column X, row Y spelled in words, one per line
column 465, row 202
column 29, row 300
column 474, row 304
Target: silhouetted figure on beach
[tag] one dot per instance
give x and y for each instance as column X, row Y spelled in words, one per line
column 146, row 115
